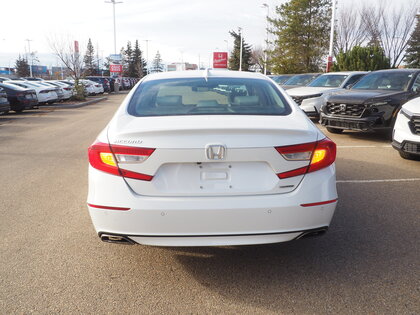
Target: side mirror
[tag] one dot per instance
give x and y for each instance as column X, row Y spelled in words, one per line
column 416, row 89
column 348, row 87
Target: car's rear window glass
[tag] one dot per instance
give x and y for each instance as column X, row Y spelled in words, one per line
column 301, row 79
column 280, row 79
column 211, row 96
column 397, row 81
column 328, row 80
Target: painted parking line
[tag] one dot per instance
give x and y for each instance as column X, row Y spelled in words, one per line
column 378, row 180
column 363, row 146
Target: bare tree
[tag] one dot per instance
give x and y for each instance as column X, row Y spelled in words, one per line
column 257, row 59
column 66, row 49
column 390, row 26
column 351, row 30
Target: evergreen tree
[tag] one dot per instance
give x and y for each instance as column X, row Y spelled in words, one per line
column 412, row 53
column 140, row 65
column 375, row 40
column 234, row 59
column 302, row 31
column 127, row 60
column 89, row 60
column 157, row 63
column 368, row 58
column 22, row 67
column 107, row 62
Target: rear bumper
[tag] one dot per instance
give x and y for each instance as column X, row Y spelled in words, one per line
column 211, row 221
column 212, row 240
column 21, row 104
column 4, row 107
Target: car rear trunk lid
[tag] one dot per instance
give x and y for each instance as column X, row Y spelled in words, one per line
column 212, row 155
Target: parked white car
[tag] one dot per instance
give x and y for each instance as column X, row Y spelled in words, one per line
column 92, row 88
column 67, row 90
column 406, row 134
column 99, row 88
column 183, row 164
column 58, row 89
column 44, row 94
column 310, row 98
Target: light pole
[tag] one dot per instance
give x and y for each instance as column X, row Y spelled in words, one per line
column 265, row 5
column 10, row 72
column 29, row 51
column 115, row 31
column 330, row 53
column 240, row 49
column 147, row 54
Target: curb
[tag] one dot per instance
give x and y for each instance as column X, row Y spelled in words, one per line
column 96, row 100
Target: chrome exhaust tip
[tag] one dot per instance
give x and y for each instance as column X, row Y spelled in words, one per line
column 119, row 239
column 313, row 233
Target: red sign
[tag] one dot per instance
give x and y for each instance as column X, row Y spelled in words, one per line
column 220, row 60
column 329, row 63
column 76, row 46
column 115, row 68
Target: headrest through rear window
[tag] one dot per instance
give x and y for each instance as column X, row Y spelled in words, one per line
column 169, row 100
column 204, row 103
column 246, row 100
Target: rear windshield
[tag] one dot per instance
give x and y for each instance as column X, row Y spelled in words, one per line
column 19, row 84
column 11, row 86
column 301, row 79
column 397, row 81
column 214, row 96
column 328, row 80
column 280, row 79
column 32, row 84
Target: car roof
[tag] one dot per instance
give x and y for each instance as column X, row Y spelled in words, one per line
column 12, row 86
column 345, row 72
column 399, row 70
column 205, row 74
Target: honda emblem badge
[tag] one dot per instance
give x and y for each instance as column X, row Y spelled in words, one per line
column 215, row 151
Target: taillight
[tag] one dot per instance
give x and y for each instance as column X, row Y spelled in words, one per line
column 110, row 159
column 324, row 155
column 298, row 152
column 321, row 154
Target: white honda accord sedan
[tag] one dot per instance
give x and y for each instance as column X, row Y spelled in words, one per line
column 209, row 158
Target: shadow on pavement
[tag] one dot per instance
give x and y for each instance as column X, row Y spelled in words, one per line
column 364, row 263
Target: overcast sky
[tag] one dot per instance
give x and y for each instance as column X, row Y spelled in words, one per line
column 182, row 30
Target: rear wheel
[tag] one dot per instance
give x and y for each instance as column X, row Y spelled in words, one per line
column 18, row 110
column 4, row 112
column 409, row 156
column 334, row 130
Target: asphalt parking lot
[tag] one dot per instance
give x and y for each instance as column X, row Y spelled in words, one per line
column 53, row 262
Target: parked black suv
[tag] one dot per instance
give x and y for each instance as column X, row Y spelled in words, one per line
column 372, row 103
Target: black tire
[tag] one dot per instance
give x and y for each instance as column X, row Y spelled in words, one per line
column 4, row 112
column 335, row 130
column 409, row 156
column 18, row 110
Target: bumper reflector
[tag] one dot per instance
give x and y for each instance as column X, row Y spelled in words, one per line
column 107, row 207
column 318, row 203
